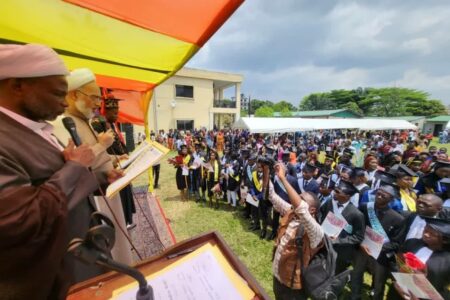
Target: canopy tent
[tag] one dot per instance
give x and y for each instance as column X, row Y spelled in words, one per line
column 131, row 45
column 273, row 125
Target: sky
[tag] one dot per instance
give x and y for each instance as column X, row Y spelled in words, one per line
column 288, row 49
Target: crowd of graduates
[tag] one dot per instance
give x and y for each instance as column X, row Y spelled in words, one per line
column 391, row 181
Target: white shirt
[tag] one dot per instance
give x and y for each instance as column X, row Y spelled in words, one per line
column 340, row 209
column 43, row 129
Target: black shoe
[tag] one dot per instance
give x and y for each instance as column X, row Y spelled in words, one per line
column 263, row 233
column 272, row 236
column 254, row 228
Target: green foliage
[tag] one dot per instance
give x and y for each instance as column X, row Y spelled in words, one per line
column 284, row 105
column 381, row 102
column 285, row 112
column 264, row 111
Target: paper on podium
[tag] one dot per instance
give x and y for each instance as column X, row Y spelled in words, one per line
column 204, row 274
column 149, row 155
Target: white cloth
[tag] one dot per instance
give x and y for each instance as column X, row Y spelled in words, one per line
column 79, row 77
column 43, row 129
column 31, row 60
column 424, row 254
column 446, row 203
column 416, row 228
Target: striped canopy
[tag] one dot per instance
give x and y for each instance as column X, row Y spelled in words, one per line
column 131, row 45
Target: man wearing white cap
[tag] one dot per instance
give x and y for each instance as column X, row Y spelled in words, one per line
column 84, row 99
column 41, row 183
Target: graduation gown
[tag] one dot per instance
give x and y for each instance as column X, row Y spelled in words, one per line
column 346, row 242
column 41, row 195
column 392, row 223
column 438, row 266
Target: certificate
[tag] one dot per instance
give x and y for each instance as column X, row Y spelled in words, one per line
column 373, row 241
column 333, row 225
column 252, row 201
column 418, row 285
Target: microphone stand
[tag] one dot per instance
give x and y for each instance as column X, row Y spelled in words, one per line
column 91, row 250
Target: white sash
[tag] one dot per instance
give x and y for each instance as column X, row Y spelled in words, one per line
column 337, row 212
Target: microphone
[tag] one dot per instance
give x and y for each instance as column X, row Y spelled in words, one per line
column 94, row 249
column 102, row 123
column 70, row 126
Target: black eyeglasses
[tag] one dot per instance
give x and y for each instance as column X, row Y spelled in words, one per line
column 94, row 98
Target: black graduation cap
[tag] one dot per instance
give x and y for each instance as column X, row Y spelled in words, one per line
column 327, row 181
column 347, row 188
column 329, row 156
column 385, row 177
column 403, row 170
column 440, row 225
column 270, row 150
column 183, row 146
column 309, row 168
column 345, row 169
column 358, row 172
column 441, row 164
column 348, row 152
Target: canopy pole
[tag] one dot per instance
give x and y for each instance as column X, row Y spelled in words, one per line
column 147, row 99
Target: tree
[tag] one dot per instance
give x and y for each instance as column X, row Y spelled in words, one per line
column 280, row 106
column 264, row 111
column 380, row 102
column 285, row 112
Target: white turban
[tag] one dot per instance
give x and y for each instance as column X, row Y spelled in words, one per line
column 79, row 77
column 31, row 60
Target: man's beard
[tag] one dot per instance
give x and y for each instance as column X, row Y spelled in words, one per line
column 85, row 111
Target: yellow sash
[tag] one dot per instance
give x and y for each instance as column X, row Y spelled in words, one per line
column 409, row 199
column 256, row 181
column 216, row 171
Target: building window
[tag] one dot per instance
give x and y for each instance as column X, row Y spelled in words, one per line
column 184, row 91
column 185, row 125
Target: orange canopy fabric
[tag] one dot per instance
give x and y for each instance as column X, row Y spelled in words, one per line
column 130, row 45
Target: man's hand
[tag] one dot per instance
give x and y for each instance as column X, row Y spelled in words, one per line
column 106, row 139
column 280, row 170
column 123, row 157
column 365, row 249
column 114, row 174
column 82, row 154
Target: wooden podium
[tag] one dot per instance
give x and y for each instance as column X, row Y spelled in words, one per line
column 102, row 287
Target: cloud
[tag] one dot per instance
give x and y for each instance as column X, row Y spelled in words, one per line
column 288, row 49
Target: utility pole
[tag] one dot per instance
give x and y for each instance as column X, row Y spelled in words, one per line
column 249, row 105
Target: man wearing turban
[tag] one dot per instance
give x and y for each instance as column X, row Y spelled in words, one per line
column 83, row 99
column 41, row 182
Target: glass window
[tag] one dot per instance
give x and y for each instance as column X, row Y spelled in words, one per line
column 184, row 91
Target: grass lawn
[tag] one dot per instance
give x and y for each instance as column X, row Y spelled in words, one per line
column 188, row 219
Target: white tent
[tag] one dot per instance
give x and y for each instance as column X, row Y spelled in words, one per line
column 273, row 125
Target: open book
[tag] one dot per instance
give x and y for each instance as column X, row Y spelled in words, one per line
column 145, row 156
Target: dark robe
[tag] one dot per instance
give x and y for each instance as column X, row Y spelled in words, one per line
column 438, row 266
column 40, row 194
column 346, row 243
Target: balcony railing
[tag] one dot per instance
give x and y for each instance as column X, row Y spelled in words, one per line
column 224, row 103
